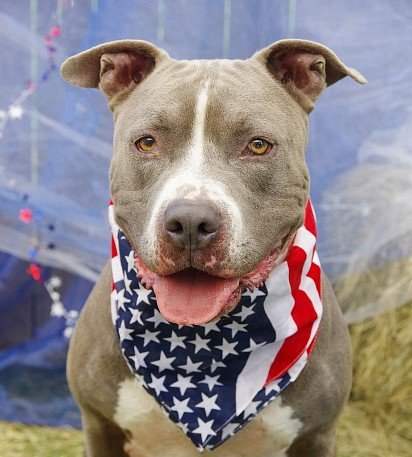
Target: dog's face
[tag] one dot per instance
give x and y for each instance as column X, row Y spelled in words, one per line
column 204, row 120
column 208, row 174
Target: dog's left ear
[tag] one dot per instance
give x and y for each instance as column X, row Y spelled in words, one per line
column 305, row 68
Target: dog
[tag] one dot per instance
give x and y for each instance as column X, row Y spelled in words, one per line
column 209, row 181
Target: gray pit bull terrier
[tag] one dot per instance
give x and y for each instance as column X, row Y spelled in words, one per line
column 208, row 176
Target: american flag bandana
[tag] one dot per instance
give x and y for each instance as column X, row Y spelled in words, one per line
column 212, row 379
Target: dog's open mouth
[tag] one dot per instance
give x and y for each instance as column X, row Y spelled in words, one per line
column 193, row 297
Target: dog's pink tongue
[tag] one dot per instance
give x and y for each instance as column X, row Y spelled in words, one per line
column 192, row 297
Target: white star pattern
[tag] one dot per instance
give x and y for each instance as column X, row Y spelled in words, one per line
column 190, row 366
column 184, row 427
column 138, row 358
column 251, row 409
column 204, row 429
column 157, row 319
column 130, row 260
column 183, row 383
column 273, row 387
column 227, row 348
column 245, row 312
column 254, row 294
column 149, row 336
column 253, row 346
column 200, row 344
column 229, row 429
column 211, row 381
column 175, row 341
column 164, row 363
column 210, row 326
column 236, row 327
column 158, row 384
column 121, row 299
column 124, row 332
column 180, row 406
column 208, row 403
column 136, row 316
column 215, row 365
column 183, row 326
column 127, row 283
column 143, row 293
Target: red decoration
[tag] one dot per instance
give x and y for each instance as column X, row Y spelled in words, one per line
column 26, row 215
column 55, row 31
column 35, row 272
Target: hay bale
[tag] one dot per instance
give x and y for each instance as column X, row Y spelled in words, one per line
column 377, row 421
column 17, row 440
column 372, row 291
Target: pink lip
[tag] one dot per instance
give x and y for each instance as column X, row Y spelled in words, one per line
column 193, row 297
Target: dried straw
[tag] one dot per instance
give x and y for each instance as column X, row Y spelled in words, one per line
column 377, row 421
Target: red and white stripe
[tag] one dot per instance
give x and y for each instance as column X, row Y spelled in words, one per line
column 294, row 308
column 117, row 272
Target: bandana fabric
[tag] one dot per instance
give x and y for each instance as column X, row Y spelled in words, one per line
column 212, row 379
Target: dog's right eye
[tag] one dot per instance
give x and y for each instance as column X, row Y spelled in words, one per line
column 146, row 144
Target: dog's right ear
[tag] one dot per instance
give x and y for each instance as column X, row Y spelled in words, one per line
column 112, row 67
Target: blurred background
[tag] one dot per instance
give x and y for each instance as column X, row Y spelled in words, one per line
column 55, row 149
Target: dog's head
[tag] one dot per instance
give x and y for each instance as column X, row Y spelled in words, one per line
column 208, row 174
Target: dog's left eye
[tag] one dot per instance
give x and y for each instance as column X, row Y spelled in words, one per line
column 146, row 144
column 258, row 146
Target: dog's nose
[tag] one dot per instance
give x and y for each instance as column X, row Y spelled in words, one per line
column 191, row 223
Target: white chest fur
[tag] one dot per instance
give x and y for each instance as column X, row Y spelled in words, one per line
column 155, row 435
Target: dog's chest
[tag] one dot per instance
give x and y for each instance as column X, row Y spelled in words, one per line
column 154, row 434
